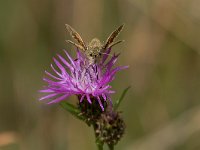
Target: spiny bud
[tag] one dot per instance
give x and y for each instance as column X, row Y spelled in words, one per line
column 110, row 128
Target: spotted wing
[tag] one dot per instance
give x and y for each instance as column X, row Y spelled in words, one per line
column 112, row 36
column 76, row 36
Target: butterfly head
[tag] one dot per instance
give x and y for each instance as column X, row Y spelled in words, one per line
column 94, row 48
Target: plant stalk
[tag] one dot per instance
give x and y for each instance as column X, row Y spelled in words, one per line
column 100, row 146
column 111, row 147
column 98, row 142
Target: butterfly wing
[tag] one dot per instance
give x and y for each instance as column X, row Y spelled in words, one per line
column 112, row 36
column 77, row 37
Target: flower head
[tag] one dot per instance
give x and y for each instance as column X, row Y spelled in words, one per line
column 79, row 77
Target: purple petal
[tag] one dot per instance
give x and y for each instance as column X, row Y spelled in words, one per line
column 82, row 98
column 100, row 103
column 62, row 90
column 46, row 91
column 62, row 69
column 65, row 62
column 104, row 97
column 58, row 99
column 71, row 60
column 100, row 91
column 111, row 62
column 88, row 98
column 106, row 56
column 48, row 96
column 117, row 69
column 79, row 55
column 49, row 74
column 51, row 82
column 111, row 92
column 56, row 71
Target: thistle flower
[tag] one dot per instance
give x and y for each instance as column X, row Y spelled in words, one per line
column 79, row 77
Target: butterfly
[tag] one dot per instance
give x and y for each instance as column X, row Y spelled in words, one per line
column 95, row 48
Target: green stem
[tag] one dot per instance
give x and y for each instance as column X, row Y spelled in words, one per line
column 100, row 146
column 98, row 142
column 111, row 147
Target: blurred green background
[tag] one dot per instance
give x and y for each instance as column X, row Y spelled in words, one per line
column 162, row 47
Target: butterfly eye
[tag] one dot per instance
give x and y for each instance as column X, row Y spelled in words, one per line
column 91, row 55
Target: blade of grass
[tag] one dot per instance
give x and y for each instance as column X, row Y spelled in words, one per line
column 118, row 102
